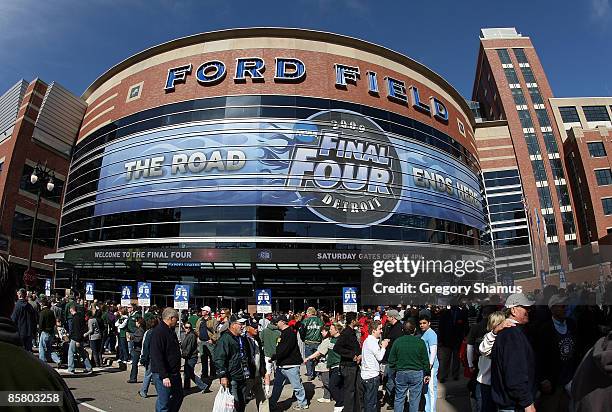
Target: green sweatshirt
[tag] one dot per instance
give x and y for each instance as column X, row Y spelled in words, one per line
column 312, row 326
column 409, row 353
column 269, row 336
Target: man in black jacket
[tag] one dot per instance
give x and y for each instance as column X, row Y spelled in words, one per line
column 232, row 357
column 512, row 361
column 392, row 331
column 189, row 352
column 165, row 355
column 76, row 341
column 288, row 360
column 347, row 346
column 25, row 317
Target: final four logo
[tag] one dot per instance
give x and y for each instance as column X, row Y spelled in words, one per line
column 346, row 168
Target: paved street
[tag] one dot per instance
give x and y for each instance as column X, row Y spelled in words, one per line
column 106, row 390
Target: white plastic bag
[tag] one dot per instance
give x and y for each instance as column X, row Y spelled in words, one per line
column 224, row 401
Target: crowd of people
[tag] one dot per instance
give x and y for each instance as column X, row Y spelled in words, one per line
column 546, row 352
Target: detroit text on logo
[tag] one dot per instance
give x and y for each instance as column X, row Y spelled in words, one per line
column 292, row 70
column 346, row 168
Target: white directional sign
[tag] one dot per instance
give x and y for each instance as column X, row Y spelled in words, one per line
column 181, row 297
column 126, row 295
column 89, row 291
column 264, row 300
column 47, row 287
column 349, row 299
column 144, row 294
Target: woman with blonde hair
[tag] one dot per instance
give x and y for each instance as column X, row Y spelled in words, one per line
column 496, row 322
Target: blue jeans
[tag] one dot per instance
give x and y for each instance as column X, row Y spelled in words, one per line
column 408, row 381
column 135, row 359
column 390, row 383
column 309, row 349
column 281, row 376
column 189, row 375
column 72, row 349
column 370, row 394
column 44, row 348
column 168, row 399
column 124, row 354
column 431, row 391
column 146, row 381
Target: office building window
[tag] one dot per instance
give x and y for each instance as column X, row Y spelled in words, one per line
column 604, row 177
column 525, row 119
column 596, row 149
column 22, row 229
column 520, row 55
column 511, row 75
column 607, row 205
column 543, row 118
column 557, row 169
column 536, row 97
column 550, row 142
column 551, row 225
column 528, row 75
column 532, row 144
column 519, row 97
column 539, row 172
column 568, row 223
column 563, row 195
column 569, row 114
column 545, row 198
column 596, row 113
column 504, row 56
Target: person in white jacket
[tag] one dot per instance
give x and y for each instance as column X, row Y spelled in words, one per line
column 496, row 322
column 431, row 342
column 124, row 354
column 372, row 353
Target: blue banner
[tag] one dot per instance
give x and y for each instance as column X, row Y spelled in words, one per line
column 349, row 299
column 144, row 293
column 264, row 300
column 126, row 295
column 47, row 287
column 340, row 165
column 89, row 291
column 181, row 297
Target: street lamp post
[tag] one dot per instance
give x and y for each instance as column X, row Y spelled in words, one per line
column 42, row 173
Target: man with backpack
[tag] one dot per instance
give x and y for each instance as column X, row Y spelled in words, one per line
column 310, row 332
column 208, row 335
column 133, row 316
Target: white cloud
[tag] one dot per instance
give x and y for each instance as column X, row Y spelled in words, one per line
column 601, row 9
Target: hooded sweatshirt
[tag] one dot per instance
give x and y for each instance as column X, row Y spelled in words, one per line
column 592, row 383
column 269, row 336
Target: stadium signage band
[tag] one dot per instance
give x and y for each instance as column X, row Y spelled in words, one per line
column 292, row 70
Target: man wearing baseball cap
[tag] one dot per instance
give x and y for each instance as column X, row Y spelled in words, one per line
column 206, row 330
column 512, row 361
column 556, row 355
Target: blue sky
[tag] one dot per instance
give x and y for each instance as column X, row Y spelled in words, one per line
column 73, row 42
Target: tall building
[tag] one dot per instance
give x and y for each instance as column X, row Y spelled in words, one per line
column 38, row 125
column 586, row 130
column 511, row 85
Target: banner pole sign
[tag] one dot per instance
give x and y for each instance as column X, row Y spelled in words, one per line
column 181, row 297
column 264, row 300
column 47, row 287
column 126, row 295
column 349, row 299
column 144, row 294
column 562, row 280
column 543, row 278
column 89, row 291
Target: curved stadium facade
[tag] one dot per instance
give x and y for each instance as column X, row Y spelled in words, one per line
column 252, row 158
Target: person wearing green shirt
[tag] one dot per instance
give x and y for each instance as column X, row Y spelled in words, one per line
column 409, row 359
column 333, row 364
column 310, row 332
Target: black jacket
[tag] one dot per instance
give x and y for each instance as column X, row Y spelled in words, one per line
column 512, row 370
column 347, row 346
column 46, row 321
column 287, row 350
column 79, row 327
column 25, row 317
column 21, row 371
column 189, row 346
column 228, row 358
column 164, row 351
column 556, row 355
column 146, row 345
column 391, row 332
